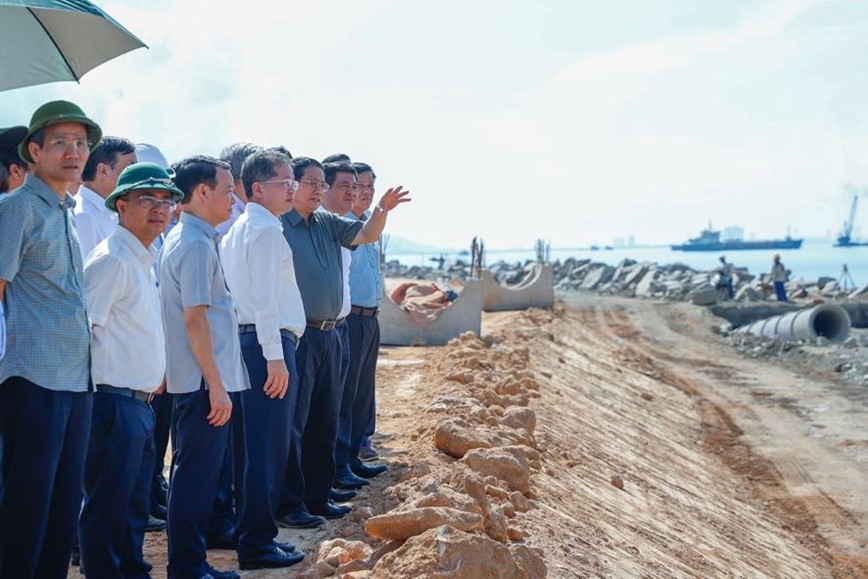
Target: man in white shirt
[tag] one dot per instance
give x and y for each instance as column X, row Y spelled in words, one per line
column 128, row 353
column 257, row 264
column 93, row 220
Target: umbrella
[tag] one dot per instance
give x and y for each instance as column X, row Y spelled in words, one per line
column 50, row 40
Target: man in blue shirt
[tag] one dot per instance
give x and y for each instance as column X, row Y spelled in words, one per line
column 45, row 397
column 204, row 370
column 315, row 239
column 366, row 290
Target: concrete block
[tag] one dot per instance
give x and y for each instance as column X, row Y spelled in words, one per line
column 536, row 290
column 398, row 328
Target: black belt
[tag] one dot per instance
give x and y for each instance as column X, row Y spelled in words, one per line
column 365, row 312
column 129, row 393
column 326, row 325
column 251, row 329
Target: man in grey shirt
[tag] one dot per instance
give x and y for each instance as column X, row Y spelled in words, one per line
column 204, row 368
column 315, row 239
column 45, row 403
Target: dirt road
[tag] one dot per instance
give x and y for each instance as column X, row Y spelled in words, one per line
column 662, row 452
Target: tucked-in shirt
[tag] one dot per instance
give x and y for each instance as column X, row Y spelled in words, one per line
column 238, row 208
column 315, row 245
column 366, row 279
column 190, row 276
column 260, row 274
column 128, row 348
column 93, row 220
column 47, row 333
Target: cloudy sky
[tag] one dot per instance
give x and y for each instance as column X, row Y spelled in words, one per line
column 575, row 121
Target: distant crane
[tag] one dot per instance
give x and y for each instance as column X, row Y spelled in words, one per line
column 845, row 238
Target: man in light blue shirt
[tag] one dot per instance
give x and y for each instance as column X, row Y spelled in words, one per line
column 45, row 402
column 204, row 368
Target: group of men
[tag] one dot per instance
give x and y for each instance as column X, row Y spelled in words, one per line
column 254, row 308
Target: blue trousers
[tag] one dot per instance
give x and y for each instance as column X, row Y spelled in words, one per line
column 268, row 438
column 162, row 406
column 358, row 394
column 44, row 436
column 780, row 291
column 315, row 423
column 117, row 488
column 199, row 460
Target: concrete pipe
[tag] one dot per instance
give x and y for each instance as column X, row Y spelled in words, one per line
column 827, row 320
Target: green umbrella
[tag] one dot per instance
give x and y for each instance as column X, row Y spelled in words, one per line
column 50, row 40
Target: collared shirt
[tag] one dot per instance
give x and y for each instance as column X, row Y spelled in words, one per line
column 128, row 348
column 366, row 279
column 257, row 263
column 315, row 245
column 47, row 333
column 346, row 260
column 238, row 208
column 190, row 276
column 93, row 220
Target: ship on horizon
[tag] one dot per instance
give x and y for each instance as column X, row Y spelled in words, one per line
column 709, row 240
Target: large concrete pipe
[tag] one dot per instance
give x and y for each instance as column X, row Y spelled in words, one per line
column 827, row 320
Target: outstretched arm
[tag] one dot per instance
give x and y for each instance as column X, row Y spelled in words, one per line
column 377, row 222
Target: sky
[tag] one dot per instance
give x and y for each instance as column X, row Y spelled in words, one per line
column 572, row 121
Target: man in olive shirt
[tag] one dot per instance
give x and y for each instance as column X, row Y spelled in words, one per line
column 315, row 239
column 45, row 402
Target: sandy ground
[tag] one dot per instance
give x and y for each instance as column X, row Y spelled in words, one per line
column 730, row 467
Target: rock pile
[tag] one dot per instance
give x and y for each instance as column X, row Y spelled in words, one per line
column 630, row 278
column 459, row 516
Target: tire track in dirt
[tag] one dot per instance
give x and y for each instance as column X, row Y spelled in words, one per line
column 768, row 481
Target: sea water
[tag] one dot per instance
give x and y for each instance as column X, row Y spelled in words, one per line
column 812, row 261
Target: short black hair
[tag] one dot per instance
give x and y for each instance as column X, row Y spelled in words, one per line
column 331, row 171
column 107, row 152
column 235, row 154
column 299, row 164
column 192, row 171
column 337, row 158
column 281, row 149
column 364, row 168
column 10, row 158
column 260, row 166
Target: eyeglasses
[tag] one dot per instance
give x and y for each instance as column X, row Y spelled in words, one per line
column 60, row 145
column 153, row 203
column 347, row 186
column 289, row 184
column 361, row 187
column 314, row 184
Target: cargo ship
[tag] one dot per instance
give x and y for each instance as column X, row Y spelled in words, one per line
column 709, row 240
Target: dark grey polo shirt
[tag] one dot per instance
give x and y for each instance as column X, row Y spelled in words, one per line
column 48, row 335
column 316, row 254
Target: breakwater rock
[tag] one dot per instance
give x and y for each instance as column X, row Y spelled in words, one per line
column 629, row 278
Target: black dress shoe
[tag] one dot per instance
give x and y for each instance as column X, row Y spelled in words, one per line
column 367, row 470
column 159, row 512
column 224, row 541
column 341, row 496
column 350, row 482
column 276, row 559
column 154, row 525
column 330, row 510
column 285, row 547
column 300, row 520
column 75, row 559
column 215, row 574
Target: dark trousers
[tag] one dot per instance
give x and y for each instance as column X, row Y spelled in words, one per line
column 162, row 406
column 117, row 487
column 358, row 395
column 199, row 460
column 45, row 435
column 268, row 437
column 315, row 424
column 780, row 291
